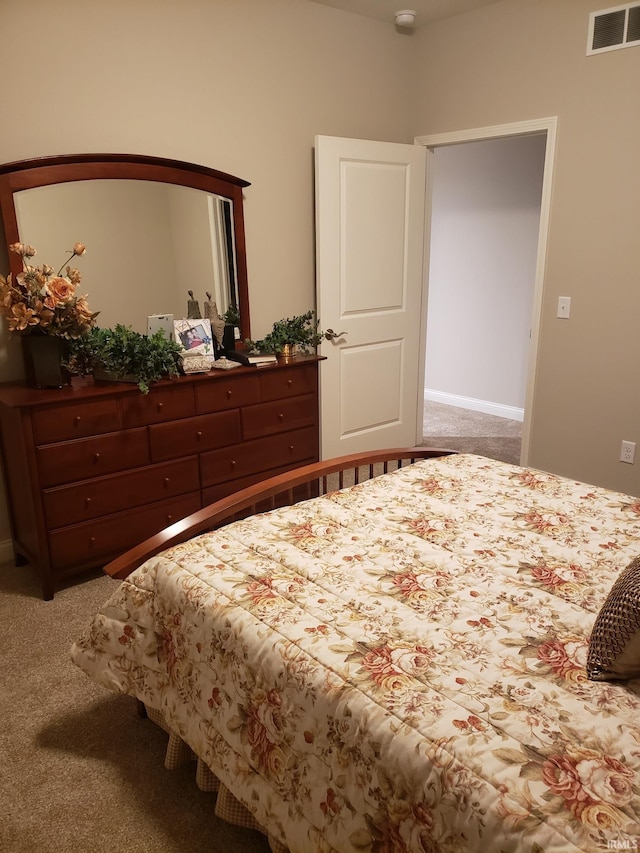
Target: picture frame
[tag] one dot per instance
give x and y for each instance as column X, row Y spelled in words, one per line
column 194, row 336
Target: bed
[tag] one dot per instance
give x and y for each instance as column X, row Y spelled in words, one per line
column 399, row 661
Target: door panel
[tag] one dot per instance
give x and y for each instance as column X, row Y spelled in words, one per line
column 363, row 410
column 373, row 201
column 370, row 201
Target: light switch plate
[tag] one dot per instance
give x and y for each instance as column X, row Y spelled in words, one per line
column 564, row 307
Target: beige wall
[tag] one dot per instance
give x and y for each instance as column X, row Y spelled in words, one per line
column 244, row 87
column 525, row 59
column 240, row 86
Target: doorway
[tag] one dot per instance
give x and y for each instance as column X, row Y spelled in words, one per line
column 487, row 203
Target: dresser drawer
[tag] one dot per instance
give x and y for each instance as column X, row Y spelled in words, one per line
column 263, row 454
column 75, row 421
column 93, row 542
column 221, row 490
column 160, row 404
column 227, row 393
column 95, row 468
column 194, row 435
column 69, row 461
column 64, row 505
column 290, row 382
column 279, row 416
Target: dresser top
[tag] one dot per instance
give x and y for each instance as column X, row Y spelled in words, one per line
column 17, row 395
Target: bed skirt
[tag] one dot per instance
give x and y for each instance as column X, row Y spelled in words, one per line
column 227, row 807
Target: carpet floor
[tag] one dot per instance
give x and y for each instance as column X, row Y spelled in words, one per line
column 472, row 432
column 81, row 771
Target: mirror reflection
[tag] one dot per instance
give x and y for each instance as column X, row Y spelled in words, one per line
column 148, row 244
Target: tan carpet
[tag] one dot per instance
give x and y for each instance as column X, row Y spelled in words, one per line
column 472, row 432
column 81, row 772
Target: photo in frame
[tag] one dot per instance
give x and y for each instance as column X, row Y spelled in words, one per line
column 194, row 336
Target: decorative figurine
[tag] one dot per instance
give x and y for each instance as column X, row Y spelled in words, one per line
column 193, row 308
column 217, row 323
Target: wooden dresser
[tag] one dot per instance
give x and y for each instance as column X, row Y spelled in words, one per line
column 92, row 469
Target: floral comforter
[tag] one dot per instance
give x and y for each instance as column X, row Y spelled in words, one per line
column 397, row 666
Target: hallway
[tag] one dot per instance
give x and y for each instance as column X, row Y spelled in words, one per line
column 473, row 432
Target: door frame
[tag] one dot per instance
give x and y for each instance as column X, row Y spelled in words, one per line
column 548, row 126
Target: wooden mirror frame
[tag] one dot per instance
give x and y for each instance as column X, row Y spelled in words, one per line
column 44, row 171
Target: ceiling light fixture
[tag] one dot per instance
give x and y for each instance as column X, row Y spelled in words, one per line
column 405, row 17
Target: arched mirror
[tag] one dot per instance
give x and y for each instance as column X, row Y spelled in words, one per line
column 154, row 230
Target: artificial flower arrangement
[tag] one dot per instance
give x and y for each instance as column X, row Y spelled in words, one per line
column 43, row 301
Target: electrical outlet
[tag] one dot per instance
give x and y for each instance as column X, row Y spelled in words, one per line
column 628, row 451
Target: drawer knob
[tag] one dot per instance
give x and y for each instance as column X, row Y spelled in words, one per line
column 229, row 395
column 77, row 420
column 281, row 417
column 169, row 518
column 291, row 448
column 87, row 501
column 159, row 406
column 199, row 434
column 166, row 482
column 92, row 541
column 289, row 382
column 233, row 463
column 96, row 457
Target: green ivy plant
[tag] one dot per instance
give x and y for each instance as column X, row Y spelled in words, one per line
column 123, row 354
column 232, row 316
column 301, row 330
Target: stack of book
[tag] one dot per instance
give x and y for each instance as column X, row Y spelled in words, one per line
column 252, row 358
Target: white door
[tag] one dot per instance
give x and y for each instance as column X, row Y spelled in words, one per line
column 370, row 226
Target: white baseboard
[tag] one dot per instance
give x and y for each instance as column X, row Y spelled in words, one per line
column 6, row 552
column 497, row 409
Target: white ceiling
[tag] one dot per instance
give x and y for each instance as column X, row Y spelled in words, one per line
column 427, row 11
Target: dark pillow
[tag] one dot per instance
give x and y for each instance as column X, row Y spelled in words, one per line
column 614, row 647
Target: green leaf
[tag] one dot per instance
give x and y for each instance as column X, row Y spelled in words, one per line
column 122, row 353
column 301, row 330
column 510, row 756
column 532, row 771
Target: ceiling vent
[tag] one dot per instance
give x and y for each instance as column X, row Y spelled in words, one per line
column 612, row 29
